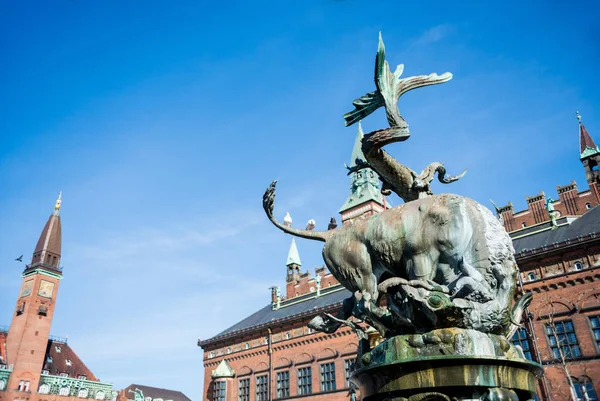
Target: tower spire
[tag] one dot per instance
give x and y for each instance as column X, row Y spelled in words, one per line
column 364, row 190
column 293, row 255
column 48, row 248
column 587, row 146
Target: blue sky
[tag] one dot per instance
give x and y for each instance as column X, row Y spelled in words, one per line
column 163, row 122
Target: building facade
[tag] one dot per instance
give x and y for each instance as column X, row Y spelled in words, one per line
column 272, row 354
column 35, row 366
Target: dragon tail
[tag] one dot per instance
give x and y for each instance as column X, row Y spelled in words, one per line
column 269, row 203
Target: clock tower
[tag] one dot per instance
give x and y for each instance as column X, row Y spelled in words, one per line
column 30, row 328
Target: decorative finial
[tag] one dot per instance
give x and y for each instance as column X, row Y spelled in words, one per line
column 578, row 116
column 58, row 202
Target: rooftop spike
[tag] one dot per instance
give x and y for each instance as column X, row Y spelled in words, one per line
column 587, row 147
column 293, row 255
column 57, row 204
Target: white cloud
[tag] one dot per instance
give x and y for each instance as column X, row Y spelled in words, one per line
column 433, row 35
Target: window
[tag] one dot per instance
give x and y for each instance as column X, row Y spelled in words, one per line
column 247, row 346
column 531, row 276
column 219, row 391
column 148, row 398
column 521, row 338
column 244, row 390
column 49, row 359
column 82, row 393
column 588, row 206
column 283, row 384
column 287, row 336
column 63, row 391
column 561, row 336
column 82, row 377
column 523, row 224
column 266, row 341
column 23, row 385
column 64, row 375
column 44, row 389
column 45, row 372
column 348, row 369
column 2, row 385
column 328, row 376
column 310, row 330
column 578, row 266
column 68, row 362
column 211, row 354
column 595, row 323
column 100, row 395
column 262, row 389
column 57, row 348
column 585, row 390
column 229, row 350
column 304, row 381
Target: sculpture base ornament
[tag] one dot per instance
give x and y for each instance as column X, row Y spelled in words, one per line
column 435, row 276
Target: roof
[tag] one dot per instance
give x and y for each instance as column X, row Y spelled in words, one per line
column 293, row 308
column 587, row 147
column 586, row 226
column 60, row 358
column 293, row 255
column 50, row 239
column 155, row 393
column 3, row 346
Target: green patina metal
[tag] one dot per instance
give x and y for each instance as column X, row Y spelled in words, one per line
column 364, row 182
column 4, row 376
column 464, row 360
column 95, row 390
column 42, row 272
column 293, row 255
column 587, row 152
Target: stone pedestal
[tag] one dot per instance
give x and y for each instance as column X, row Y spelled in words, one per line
column 446, row 364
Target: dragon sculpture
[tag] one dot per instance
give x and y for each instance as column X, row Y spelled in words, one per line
column 440, row 260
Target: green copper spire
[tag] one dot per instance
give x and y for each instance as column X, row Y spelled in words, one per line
column 293, row 255
column 587, row 147
column 364, row 181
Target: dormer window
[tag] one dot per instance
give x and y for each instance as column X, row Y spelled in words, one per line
column 57, row 349
column 578, row 266
column 64, row 375
column 82, row 377
column 49, row 359
column 45, row 372
column 588, row 206
column 148, row 398
column 68, row 362
column 523, row 224
column 531, row 276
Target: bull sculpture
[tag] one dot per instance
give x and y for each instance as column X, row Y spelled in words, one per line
column 441, row 261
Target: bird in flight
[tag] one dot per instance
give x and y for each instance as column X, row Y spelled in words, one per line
column 19, row 259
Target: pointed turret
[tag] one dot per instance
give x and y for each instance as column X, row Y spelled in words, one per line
column 587, row 147
column 364, row 181
column 48, row 248
column 293, row 262
column 590, row 157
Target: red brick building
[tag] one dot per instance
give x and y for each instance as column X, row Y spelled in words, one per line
column 272, row 354
column 35, row 366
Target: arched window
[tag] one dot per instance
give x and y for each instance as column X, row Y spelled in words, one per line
column 211, row 354
column 578, row 266
column 44, row 389
column 100, row 395
column 247, row 346
column 588, row 206
column 229, row 350
column 63, row 391
column 531, row 276
column 523, row 224
column 2, row 385
column 82, row 393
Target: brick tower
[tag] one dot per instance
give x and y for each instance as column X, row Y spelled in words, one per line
column 365, row 197
column 29, row 331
